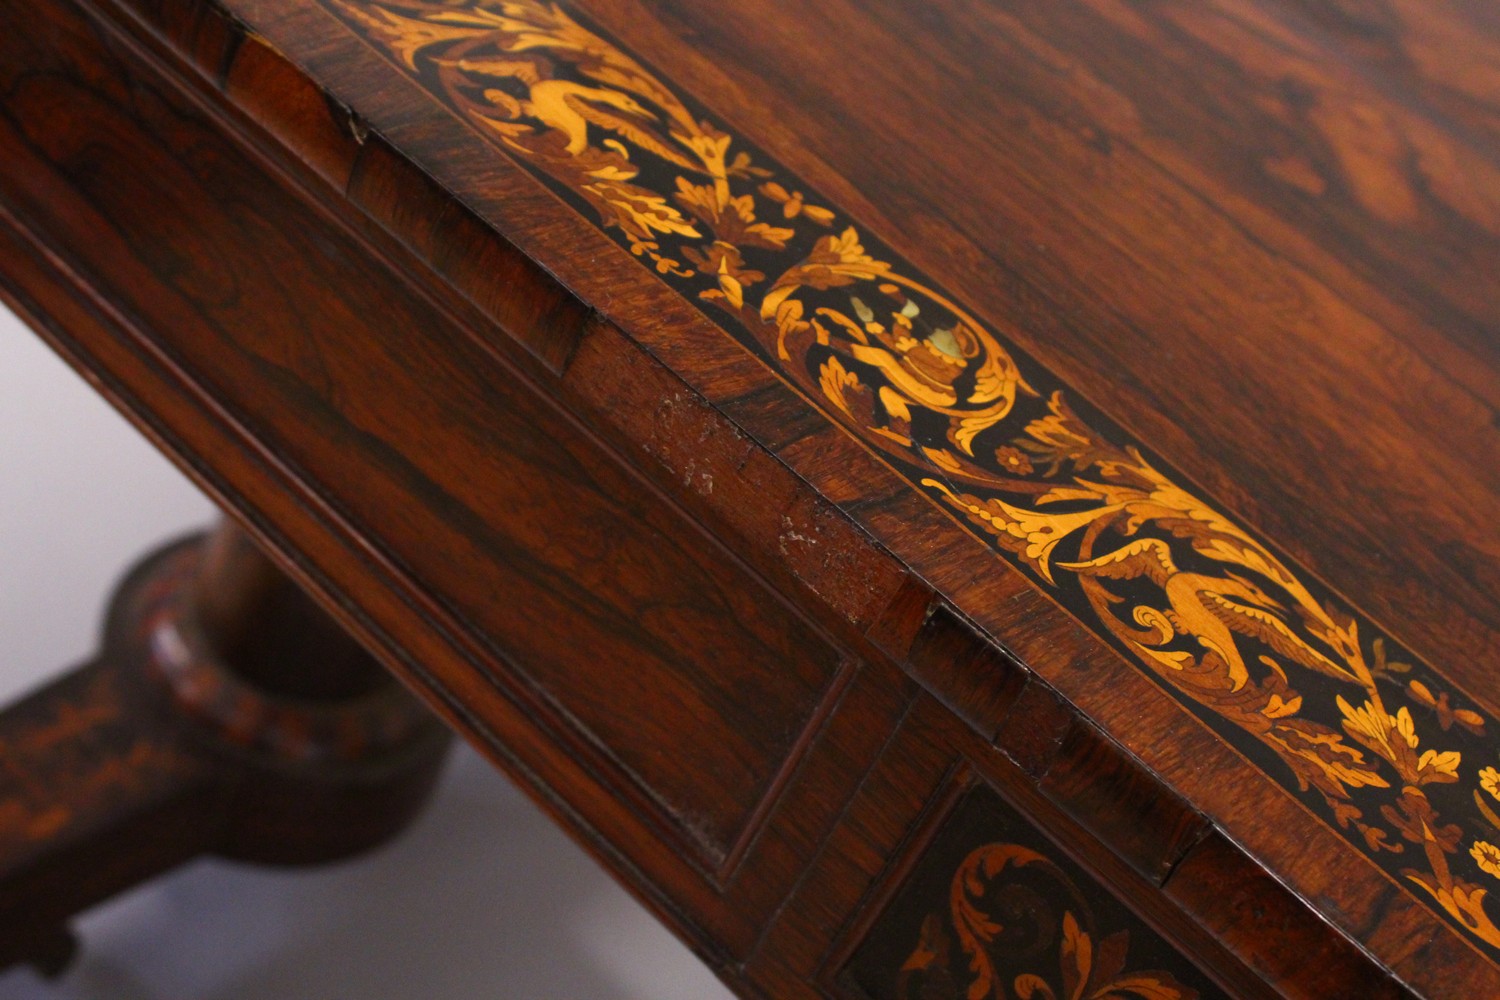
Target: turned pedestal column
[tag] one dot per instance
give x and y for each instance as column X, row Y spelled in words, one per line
column 224, row 714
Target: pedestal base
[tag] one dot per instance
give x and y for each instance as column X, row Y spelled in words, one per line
column 225, row 714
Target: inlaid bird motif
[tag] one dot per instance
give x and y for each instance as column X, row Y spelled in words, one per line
column 1211, row 608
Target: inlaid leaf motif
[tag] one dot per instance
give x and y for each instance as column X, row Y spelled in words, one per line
column 1010, row 906
column 1377, row 742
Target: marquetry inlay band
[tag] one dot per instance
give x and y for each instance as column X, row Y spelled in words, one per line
column 1373, row 740
column 993, row 908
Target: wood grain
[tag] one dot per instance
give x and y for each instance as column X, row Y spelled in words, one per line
column 681, row 592
column 962, row 415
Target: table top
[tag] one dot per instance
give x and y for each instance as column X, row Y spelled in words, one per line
column 1160, row 340
column 1188, row 313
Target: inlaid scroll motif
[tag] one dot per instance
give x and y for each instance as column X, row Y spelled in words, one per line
column 1379, row 745
column 994, row 911
column 1016, row 926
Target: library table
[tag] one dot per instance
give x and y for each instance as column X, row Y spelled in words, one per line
column 963, row 499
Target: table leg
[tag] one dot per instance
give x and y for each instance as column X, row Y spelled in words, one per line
column 225, row 713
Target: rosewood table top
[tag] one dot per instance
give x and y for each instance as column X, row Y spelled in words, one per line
column 968, row 498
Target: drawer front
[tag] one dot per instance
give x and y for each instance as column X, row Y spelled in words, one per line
column 1042, row 862
column 567, row 612
column 991, row 906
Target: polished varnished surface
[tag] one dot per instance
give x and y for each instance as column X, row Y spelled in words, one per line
column 1183, row 589
column 994, row 906
column 1155, row 341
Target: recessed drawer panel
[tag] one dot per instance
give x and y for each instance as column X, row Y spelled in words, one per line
column 994, row 908
column 640, row 645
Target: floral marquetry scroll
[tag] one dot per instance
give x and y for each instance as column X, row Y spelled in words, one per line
column 1376, row 743
column 995, row 911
